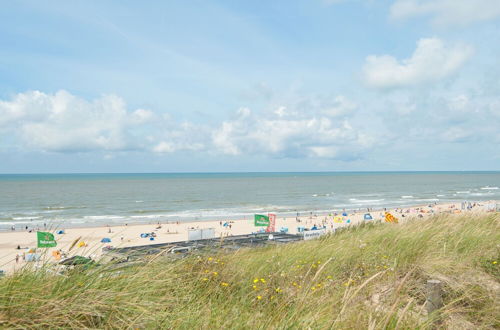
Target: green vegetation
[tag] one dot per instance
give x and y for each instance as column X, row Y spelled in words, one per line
column 370, row 276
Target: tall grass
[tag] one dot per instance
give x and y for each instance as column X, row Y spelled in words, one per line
column 369, row 276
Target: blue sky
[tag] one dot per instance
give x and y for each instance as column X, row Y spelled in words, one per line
column 316, row 85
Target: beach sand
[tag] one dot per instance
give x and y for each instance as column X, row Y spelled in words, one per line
column 129, row 235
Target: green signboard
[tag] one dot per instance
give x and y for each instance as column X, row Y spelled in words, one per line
column 261, row 220
column 45, row 239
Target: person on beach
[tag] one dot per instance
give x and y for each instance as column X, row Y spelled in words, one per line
column 17, row 258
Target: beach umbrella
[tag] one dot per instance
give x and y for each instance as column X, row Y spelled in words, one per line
column 344, row 214
column 106, row 240
column 338, row 219
column 60, row 232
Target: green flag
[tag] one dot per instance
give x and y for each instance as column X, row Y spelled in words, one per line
column 261, row 220
column 45, row 239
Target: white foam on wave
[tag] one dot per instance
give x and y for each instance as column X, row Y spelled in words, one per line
column 103, row 217
column 407, row 196
column 489, row 188
column 355, row 201
column 25, row 218
column 482, row 194
column 427, row 200
column 439, row 195
column 463, row 192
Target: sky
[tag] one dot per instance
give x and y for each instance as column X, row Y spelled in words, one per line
column 224, row 86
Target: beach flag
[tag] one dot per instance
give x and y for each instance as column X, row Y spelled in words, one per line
column 272, row 223
column 261, row 220
column 45, row 240
column 390, row 218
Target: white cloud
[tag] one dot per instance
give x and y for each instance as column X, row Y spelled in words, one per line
column 432, row 60
column 314, row 126
column 141, row 116
column 63, row 122
column 295, row 136
column 447, row 12
column 457, row 134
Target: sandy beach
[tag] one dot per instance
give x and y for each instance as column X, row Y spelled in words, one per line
column 130, row 235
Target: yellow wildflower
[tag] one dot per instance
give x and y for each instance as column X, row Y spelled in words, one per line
column 294, row 283
column 205, row 279
column 224, row 284
column 263, row 280
column 272, row 297
column 259, row 297
column 319, row 262
column 207, row 271
column 278, row 290
column 494, row 262
column 329, row 277
column 313, row 288
column 210, row 259
column 256, row 280
column 215, row 273
column 254, row 287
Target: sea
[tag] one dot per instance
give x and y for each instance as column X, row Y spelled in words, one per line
column 73, row 200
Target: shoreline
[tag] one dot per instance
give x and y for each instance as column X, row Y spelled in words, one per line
column 130, row 234
column 236, row 217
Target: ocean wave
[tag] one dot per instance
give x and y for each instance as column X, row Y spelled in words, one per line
column 148, row 211
column 482, row 194
column 103, row 217
column 407, row 196
column 463, row 192
column 366, row 200
column 25, row 218
column 489, row 188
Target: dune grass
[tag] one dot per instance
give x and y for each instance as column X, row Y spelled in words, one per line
column 370, row 276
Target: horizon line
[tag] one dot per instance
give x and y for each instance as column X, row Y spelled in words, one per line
column 252, row 172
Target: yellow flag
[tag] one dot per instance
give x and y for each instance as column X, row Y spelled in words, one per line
column 390, row 218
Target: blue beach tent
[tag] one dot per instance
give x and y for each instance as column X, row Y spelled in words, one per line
column 368, row 216
column 106, row 240
column 344, row 214
column 60, row 232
